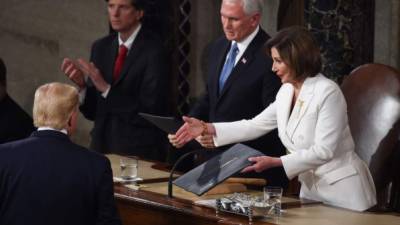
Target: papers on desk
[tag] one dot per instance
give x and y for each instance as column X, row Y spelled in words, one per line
column 204, row 177
column 169, row 125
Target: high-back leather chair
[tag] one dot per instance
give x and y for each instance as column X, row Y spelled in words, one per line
column 372, row 92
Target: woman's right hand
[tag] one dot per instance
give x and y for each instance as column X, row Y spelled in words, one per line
column 191, row 129
column 206, row 141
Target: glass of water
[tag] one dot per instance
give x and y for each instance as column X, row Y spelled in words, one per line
column 272, row 199
column 129, row 167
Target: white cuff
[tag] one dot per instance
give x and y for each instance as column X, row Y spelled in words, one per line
column 105, row 93
column 82, row 95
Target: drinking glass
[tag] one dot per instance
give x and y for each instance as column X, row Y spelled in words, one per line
column 129, row 167
column 272, row 199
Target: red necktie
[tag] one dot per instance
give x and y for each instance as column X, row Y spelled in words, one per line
column 119, row 62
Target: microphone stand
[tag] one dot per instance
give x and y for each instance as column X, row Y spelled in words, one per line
column 174, row 167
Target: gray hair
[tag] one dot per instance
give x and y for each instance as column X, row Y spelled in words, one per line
column 249, row 6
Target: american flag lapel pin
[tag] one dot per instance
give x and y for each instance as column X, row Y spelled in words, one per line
column 244, row 60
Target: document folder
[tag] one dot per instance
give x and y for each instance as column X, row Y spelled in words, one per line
column 204, row 177
column 167, row 124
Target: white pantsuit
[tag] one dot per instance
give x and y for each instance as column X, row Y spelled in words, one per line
column 317, row 136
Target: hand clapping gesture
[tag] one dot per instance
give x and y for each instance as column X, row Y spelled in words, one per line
column 75, row 71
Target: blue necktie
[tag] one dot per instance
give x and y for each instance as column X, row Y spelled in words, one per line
column 228, row 66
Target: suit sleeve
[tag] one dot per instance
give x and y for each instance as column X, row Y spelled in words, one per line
column 88, row 108
column 246, row 130
column 107, row 213
column 202, row 107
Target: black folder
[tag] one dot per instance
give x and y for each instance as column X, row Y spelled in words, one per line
column 167, row 124
column 214, row 171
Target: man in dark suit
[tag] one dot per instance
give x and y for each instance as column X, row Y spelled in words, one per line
column 127, row 74
column 246, row 89
column 47, row 179
column 15, row 122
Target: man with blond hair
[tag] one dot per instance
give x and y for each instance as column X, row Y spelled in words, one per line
column 47, row 179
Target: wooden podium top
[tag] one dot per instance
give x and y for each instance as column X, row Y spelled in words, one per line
column 150, row 205
column 162, row 210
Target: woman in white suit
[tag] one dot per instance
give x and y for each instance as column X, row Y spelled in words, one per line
column 310, row 113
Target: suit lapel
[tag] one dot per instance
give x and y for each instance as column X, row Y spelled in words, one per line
column 113, row 51
column 285, row 102
column 217, row 72
column 132, row 55
column 300, row 108
column 244, row 61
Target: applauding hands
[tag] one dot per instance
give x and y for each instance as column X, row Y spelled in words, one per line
column 75, row 71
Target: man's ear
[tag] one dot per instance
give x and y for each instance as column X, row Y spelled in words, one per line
column 71, row 123
column 140, row 14
column 255, row 19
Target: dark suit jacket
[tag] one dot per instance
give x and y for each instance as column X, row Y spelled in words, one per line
column 141, row 87
column 15, row 122
column 249, row 89
column 47, row 179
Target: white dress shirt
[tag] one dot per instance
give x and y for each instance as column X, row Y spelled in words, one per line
column 242, row 45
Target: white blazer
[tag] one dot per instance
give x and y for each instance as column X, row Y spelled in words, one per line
column 317, row 136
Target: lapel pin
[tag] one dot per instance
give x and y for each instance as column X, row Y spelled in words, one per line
column 244, row 61
column 301, row 102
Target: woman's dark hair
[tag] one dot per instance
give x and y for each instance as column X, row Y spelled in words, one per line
column 298, row 49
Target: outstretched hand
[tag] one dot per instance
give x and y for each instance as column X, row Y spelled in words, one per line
column 206, row 141
column 262, row 163
column 191, row 129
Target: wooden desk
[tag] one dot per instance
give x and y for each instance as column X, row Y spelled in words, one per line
column 146, row 206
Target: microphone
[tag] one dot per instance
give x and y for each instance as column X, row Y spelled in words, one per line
column 174, row 167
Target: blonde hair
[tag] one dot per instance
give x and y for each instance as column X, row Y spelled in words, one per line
column 54, row 104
